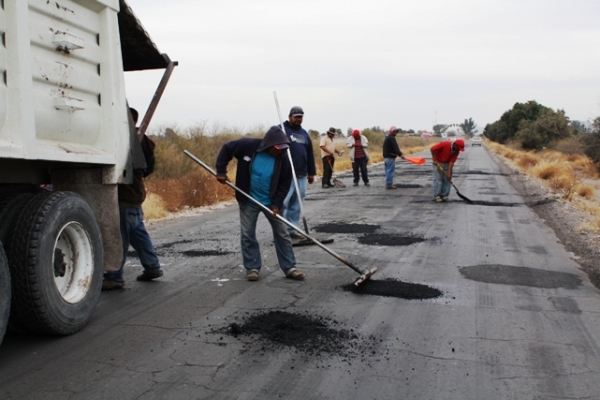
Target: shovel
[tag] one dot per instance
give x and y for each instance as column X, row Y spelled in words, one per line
column 336, row 181
column 364, row 275
column 455, row 188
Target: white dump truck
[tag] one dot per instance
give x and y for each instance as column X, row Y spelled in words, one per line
column 66, row 141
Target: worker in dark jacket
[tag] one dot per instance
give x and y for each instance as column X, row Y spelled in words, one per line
column 303, row 159
column 390, row 152
column 133, row 230
column 264, row 172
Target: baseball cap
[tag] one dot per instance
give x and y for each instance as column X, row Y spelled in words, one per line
column 460, row 144
column 296, row 111
column 281, row 146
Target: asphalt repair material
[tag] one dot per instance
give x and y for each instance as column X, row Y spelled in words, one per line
column 306, row 333
column 394, row 288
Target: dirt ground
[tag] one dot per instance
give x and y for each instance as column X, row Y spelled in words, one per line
column 564, row 218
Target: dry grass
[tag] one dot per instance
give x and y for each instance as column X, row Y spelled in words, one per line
column 154, row 207
column 563, row 173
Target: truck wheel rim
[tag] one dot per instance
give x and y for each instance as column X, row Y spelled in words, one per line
column 73, row 262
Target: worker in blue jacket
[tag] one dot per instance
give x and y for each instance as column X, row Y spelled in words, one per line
column 264, row 172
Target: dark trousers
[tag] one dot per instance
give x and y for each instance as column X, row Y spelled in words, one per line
column 360, row 164
column 328, row 162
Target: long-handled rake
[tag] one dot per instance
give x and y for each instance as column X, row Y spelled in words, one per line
column 465, row 198
column 364, row 275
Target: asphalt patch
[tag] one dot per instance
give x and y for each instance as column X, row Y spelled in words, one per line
column 387, row 239
column 340, row 227
column 394, row 288
column 521, row 276
column 494, row 203
column 306, row 333
column 204, row 253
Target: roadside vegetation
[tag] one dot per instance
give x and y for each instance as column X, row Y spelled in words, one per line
column 563, row 154
column 178, row 183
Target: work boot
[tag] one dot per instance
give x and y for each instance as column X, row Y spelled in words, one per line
column 295, row 275
column 252, row 275
column 391, row 187
column 325, row 186
column 446, row 199
column 367, row 184
column 296, row 235
column 112, row 285
column 355, row 184
column 149, row 275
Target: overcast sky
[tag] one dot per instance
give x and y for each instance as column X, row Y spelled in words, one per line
column 364, row 63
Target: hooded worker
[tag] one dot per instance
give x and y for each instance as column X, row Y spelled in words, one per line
column 444, row 154
column 264, row 173
column 359, row 156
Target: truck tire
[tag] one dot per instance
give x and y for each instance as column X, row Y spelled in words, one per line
column 4, row 293
column 11, row 206
column 56, row 264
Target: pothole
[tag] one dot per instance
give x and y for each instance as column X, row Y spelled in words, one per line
column 389, row 240
column 307, row 333
column 521, row 276
column 340, row 227
column 394, row 288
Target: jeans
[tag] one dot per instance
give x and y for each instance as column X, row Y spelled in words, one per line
column 133, row 231
column 360, row 164
column 441, row 185
column 327, row 169
column 390, row 169
column 250, row 249
column 292, row 202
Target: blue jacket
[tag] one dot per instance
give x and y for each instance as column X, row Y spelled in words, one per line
column 301, row 149
column 244, row 150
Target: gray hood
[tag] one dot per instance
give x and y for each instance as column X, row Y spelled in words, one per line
column 273, row 136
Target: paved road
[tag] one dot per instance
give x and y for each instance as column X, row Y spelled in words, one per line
column 517, row 318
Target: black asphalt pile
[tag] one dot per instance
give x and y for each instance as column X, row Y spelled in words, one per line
column 340, row 227
column 204, row 253
column 309, row 334
column 394, row 288
column 387, row 239
column 495, row 203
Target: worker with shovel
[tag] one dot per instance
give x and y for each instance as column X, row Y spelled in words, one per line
column 390, row 152
column 265, row 173
column 444, row 154
column 328, row 152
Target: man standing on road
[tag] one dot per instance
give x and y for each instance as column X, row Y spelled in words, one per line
column 390, row 152
column 359, row 156
column 133, row 230
column 328, row 152
column 303, row 160
column 264, row 172
column 444, row 154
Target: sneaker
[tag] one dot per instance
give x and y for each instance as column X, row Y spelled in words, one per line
column 149, row 275
column 296, row 235
column 446, row 199
column 252, row 275
column 326, row 186
column 367, row 184
column 438, row 199
column 355, row 184
column 295, row 275
column 391, row 187
column 112, row 285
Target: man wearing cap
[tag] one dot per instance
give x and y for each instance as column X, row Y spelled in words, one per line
column 444, row 154
column 328, row 152
column 390, row 152
column 264, row 172
column 303, row 161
